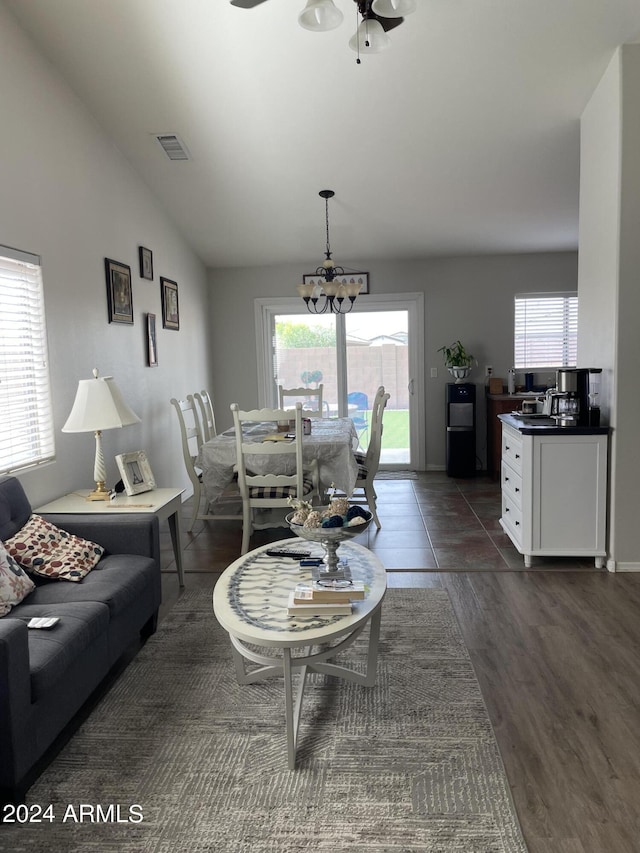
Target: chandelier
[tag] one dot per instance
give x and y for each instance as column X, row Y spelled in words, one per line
column 334, row 291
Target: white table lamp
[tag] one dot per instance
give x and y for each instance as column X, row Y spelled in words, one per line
column 99, row 405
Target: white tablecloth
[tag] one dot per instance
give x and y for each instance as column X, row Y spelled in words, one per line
column 332, row 442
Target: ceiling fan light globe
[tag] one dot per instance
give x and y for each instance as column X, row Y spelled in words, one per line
column 393, row 8
column 370, row 38
column 320, row 16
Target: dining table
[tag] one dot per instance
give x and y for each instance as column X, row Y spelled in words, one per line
column 332, row 443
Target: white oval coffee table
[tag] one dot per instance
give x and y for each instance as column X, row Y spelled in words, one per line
column 250, row 603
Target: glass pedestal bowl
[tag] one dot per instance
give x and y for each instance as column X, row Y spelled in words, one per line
column 330, row 538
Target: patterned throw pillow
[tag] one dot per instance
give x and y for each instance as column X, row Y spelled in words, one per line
column 43, row 549
column 14, row 584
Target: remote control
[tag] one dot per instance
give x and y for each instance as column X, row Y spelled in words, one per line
column 43, row 622
column 294, row 555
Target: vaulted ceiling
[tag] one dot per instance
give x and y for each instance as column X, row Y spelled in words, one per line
column 462, row 138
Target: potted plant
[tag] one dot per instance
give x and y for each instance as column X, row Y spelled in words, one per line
column 457, row 360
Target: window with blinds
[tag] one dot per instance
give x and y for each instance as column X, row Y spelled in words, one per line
column 545, row 330
column 26, row 423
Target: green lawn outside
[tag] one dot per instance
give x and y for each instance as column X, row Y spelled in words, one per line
column 395, row 434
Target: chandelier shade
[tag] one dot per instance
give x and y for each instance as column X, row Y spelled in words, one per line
column 320, row 16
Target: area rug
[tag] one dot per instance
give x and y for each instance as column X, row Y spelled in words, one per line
column 178, row 757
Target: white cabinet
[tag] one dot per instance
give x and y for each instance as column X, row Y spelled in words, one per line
column 554, row 489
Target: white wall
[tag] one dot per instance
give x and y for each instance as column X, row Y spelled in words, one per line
column 470, row 298
column 627, row 496
column 600, row 233
column 608, row 280
column 68, row 195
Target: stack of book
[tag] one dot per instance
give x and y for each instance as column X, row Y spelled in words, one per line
column 318, row 599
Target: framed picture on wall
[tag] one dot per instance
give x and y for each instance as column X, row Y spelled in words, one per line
column 152, row 346
column 361, row 277
column 119, row 296
column 145, row 256
column 170, row 311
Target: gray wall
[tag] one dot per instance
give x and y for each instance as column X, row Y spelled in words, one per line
column 470, row 298
column 68, row 195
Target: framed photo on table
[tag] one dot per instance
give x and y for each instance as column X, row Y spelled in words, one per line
column 135, row 471
column 170, row 310
column 119, row 296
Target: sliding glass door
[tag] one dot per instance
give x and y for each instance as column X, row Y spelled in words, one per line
column 304, row 354
column 377, row 353
column 351, row 356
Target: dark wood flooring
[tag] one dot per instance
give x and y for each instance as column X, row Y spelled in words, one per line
column 556, row 650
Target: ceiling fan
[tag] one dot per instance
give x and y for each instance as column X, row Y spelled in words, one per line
column 383, row 11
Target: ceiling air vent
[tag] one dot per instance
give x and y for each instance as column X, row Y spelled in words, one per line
column 173, row 146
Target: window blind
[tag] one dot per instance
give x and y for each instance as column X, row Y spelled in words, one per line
column 26, row 424
column 545, row 330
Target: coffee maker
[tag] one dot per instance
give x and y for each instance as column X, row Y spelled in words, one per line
column 575, row 401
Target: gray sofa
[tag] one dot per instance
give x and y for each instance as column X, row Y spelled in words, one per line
column 46, row 676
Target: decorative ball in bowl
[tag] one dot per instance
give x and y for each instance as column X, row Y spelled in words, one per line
column 324, row 524
column 323, row 533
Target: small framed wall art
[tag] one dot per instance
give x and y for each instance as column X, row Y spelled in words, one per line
column 119, row 296
column 170, row 310
column 145, row 256
column 361, row 277
column 135, row 471
column 152, row 345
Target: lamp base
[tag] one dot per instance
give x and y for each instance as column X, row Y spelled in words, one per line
column 101, row 493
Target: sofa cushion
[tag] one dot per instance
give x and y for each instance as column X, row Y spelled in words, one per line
column 14, row 583
column 15, row 508
column 279, row 491
column 52, row 651
column 117, row 580
column 44, row 549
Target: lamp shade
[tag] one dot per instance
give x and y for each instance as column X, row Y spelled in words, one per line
column 320, row 15
column 369, row 38
column 393, row 8
column 98, row 406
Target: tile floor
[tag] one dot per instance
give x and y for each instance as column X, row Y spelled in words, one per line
column 434, row 523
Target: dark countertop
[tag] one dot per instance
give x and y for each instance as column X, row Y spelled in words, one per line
column 531, row 425
column 517, row 396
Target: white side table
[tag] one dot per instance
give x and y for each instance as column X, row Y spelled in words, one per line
column 164, row 503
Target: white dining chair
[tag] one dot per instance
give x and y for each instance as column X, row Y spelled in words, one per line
column 311, row 402
column 207, row 416
column 369, row 462
column 191, row 437
column 269, row 490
